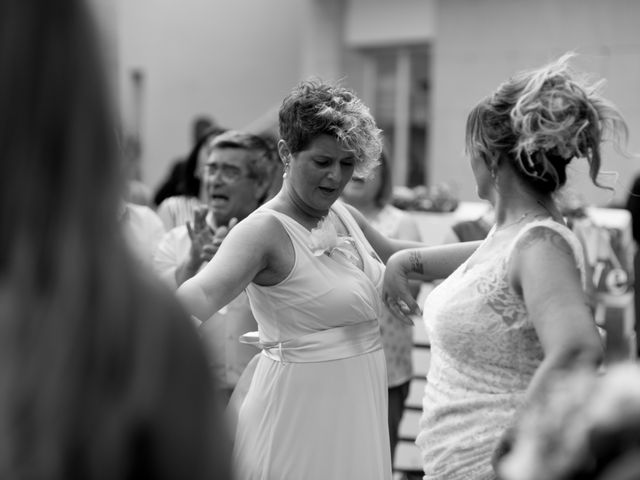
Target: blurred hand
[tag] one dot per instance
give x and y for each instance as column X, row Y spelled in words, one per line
column 201, row 236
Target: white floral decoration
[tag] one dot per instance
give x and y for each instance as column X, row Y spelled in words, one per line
column 325, row 238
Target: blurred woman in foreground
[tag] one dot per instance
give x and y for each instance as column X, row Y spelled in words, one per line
column 101, row 374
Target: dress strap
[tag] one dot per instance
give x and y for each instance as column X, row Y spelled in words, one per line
column 565, row 232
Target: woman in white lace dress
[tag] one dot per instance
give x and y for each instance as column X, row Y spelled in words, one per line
column 513, row 312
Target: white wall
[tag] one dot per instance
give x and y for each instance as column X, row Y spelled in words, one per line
column 104, row 13
column 235, row 60
column 480, row 43
column 232, row 60
column 389, row 22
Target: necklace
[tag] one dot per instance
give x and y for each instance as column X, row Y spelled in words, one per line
column 518, row 220
column 523, row 216
column 504, row 226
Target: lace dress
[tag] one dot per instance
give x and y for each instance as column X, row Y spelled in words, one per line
column 484, row 351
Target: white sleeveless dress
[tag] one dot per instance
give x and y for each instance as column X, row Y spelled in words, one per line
column 484, row 351
column 317, row 404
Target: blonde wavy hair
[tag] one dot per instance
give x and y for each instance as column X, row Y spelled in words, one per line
column 315, row 108
column 540, row 120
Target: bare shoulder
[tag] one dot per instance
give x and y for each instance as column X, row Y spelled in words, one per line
column 265, row 234
column 544, row 256
column 259, row 228
column 543, row 237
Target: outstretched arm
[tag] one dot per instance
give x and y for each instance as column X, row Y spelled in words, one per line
column 425, row 264
column 383, row 245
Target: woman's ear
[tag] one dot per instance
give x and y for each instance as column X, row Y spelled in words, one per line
column 283, row 151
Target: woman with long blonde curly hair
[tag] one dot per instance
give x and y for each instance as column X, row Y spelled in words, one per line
column 512, row 310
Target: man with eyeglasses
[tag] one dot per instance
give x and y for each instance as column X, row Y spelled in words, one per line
column 235, row 180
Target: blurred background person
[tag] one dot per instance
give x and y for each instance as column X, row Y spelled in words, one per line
column 171, row 185
column 512, row 311
column 235, row 181
column 136, row 191
column 142, row 230
column 178, row 209
column 101, row 373
column 473, row 229
column 372, row 196
column 633, row 206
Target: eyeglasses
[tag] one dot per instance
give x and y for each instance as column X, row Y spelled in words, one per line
column 228, row 173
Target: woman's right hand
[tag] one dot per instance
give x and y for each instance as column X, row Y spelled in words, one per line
column 396, row 292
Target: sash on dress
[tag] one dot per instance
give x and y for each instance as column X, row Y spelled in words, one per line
column 331, row 344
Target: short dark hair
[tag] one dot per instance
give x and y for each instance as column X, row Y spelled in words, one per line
column 316, row 108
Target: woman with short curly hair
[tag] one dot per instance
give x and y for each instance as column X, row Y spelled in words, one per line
column 312, row 268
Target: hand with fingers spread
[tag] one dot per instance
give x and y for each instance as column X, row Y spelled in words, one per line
column 396, row 291
column 205, row 242
column 202, row 237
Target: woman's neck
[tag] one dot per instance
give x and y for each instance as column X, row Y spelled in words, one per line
column 299, row 209
column 529, row 204
column 515, row 198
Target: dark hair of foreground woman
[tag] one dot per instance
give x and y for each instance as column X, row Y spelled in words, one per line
column 101, row 374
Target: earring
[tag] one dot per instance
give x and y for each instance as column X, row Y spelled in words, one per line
column 285, row 174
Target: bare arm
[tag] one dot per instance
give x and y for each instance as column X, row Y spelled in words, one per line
column 241, row 257
column 408, row 230
column 383, row 245
column 544, row 271
column 425, row 264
